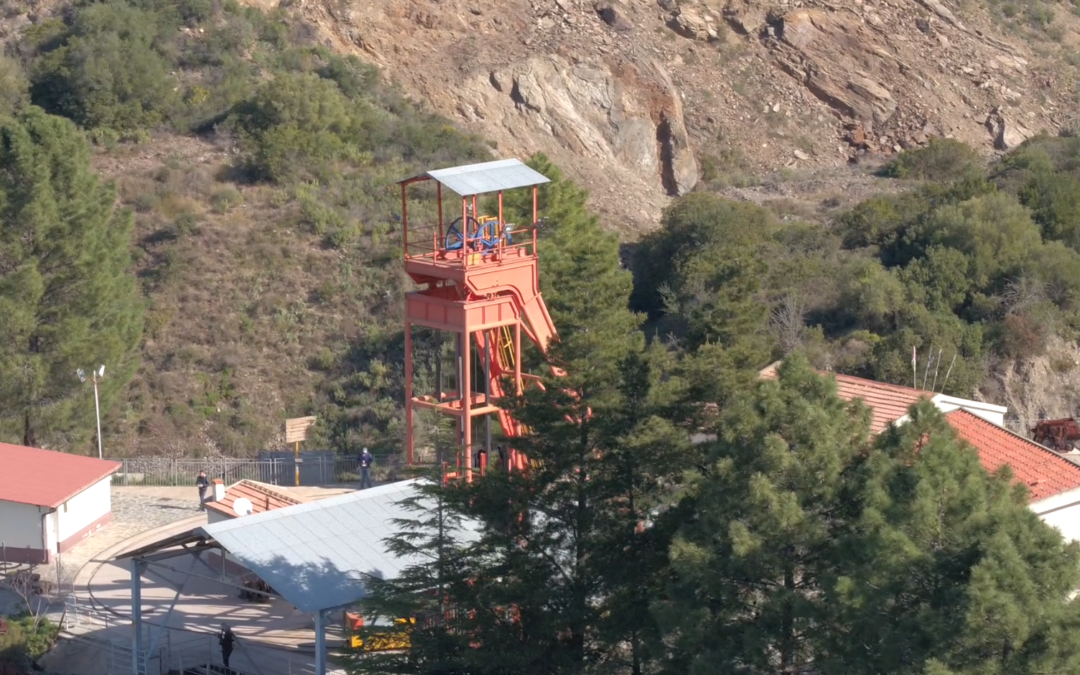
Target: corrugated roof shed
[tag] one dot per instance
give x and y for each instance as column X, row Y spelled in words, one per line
column 475, row 179
column 48, row 478
column 263, row 498
column 1045, row 472
column 316, row 554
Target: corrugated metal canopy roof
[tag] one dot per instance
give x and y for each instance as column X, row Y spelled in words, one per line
column 316, row 554
column 475, row 179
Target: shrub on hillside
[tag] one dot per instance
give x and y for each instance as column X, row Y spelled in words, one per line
column 942, row 159
column 109, row 69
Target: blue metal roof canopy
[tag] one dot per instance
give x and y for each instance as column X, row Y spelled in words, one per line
column 477, row 179
column 316, row 556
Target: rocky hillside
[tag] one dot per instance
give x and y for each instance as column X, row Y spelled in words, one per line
column 641, row 99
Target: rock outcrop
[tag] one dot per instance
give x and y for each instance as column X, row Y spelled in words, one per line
column 833, row 54
column 627, row 118
column 632, row 97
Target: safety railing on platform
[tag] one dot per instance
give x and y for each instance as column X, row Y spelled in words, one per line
column 485, row 240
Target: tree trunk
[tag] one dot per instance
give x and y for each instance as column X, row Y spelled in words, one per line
column 787, row 637
column 29, row 436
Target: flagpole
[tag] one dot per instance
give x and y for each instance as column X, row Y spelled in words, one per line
column 937, row 367
column 914, row 370
column 926, row 371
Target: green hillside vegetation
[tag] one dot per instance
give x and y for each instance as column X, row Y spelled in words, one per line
column 264, row 242
column 980, row 263
column 258, row 169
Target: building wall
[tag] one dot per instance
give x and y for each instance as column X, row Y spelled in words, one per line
column 213, row 516
column 1061, row 511
column 21, row 537
column 995, row 414
column 83, row 515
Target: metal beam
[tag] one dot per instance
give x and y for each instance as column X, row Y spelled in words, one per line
column 166, row 555
column 320, row 642
column 161, row 578
column 136, row 616
column 218, row 581
column 165, row 622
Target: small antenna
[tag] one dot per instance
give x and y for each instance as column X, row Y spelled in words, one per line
column 937, row 367
column 948, row 372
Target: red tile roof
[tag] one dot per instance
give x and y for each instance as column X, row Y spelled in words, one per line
column 887, row 402
column 263, row 497
column 1045, row 472
column 48, row 478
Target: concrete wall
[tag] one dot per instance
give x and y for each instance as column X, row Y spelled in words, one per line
column 83, row 515
column 21, row 535
column 213, row 516
column 1061, row 511
column 83, row 509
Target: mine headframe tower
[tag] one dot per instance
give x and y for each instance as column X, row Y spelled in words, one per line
column 479, row 280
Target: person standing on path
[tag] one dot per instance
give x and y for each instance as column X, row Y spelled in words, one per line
column 203, row 484
column 365, row 469
column 226, row 639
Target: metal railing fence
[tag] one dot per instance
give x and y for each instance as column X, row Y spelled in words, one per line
column 315, row 469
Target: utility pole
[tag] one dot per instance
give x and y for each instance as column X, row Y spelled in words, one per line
column 94, row 375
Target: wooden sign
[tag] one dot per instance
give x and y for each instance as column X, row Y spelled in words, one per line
column 296, row 429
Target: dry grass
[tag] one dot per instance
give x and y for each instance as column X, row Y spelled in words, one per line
column 238, row 302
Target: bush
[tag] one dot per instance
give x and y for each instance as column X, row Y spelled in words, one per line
column 108, row 70
column 225, row 199
column 942, row 159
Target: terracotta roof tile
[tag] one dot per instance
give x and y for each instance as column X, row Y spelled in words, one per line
column 887, row 402
column 1045, row 472
column 263, row 498
column 48, row 478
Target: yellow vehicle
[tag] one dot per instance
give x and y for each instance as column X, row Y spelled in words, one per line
column 390, row 638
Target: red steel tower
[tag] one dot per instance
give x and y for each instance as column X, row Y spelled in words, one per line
column 479, row 281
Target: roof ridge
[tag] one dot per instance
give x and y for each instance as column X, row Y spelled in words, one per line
column 879, row 384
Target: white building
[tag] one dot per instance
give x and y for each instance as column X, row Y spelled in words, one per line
column 50, row 501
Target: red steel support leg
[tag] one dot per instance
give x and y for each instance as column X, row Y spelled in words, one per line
column 466, row 402
column 499, row 225
column 515, row 456
column 404, row 220
column 438, row 195
column 410, row 442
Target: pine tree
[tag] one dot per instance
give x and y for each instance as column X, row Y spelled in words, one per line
column 568, row 559
column 807, row 546
column 644, row 451
column 429, row 589
column 950, row 568
column 581, row 276
column 760, row 519
column 66, row 294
